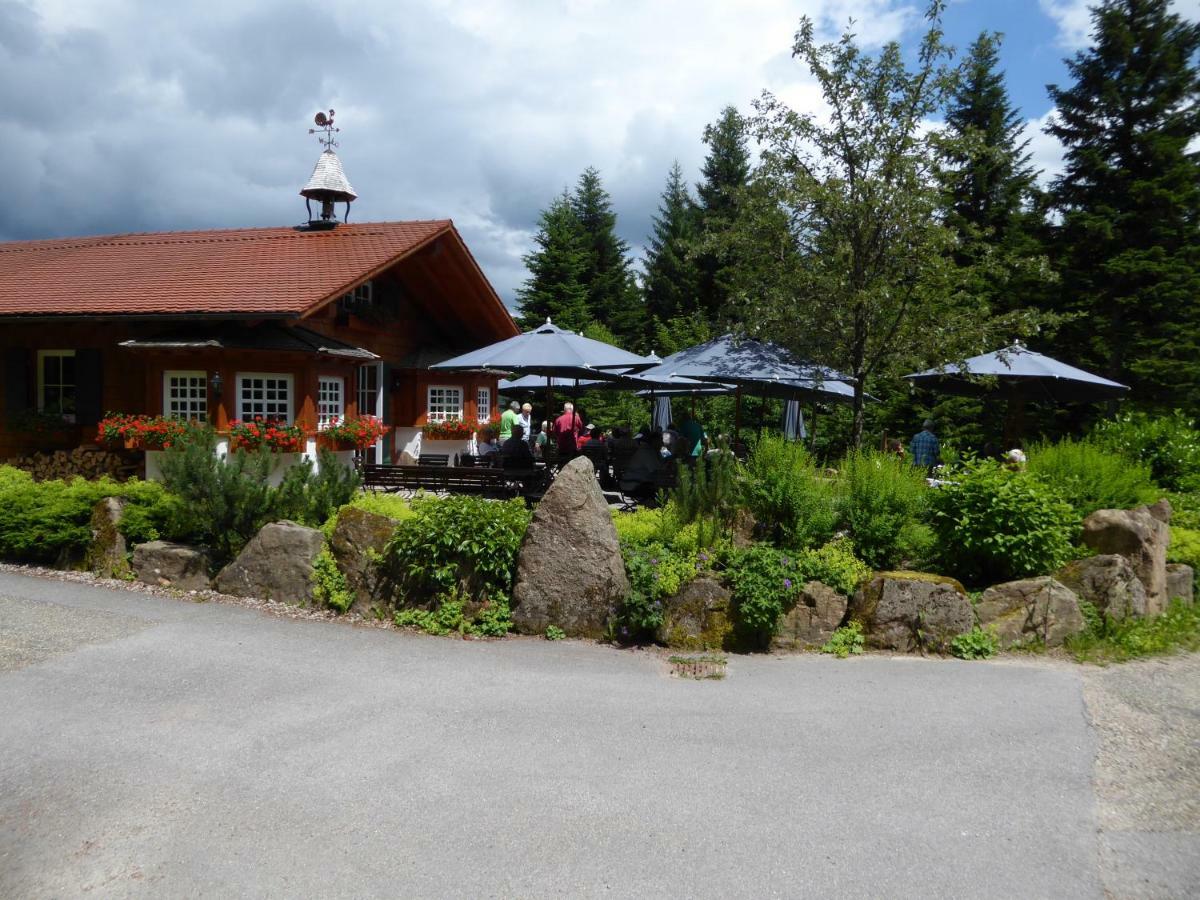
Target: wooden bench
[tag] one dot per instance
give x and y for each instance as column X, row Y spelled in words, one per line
column 455, row 480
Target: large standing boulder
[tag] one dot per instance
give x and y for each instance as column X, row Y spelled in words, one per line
column 1181, row 582
column 106, row 553
column 277, row 564
column 1108, row 582
column 698, row 617
column 909, row 611
column 570, row 572
column 1031, row 609
column 165, row 564
column 1140, row 535
column 817, row 614
column 358, row 539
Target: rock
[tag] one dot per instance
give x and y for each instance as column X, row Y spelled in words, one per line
column 816, row 615
column 743, row 529
column 698, row 617
column 1140, row 535
column 1030, row 609
column 1181, row 582
column 570, row 573
column 277, row 564
column 358, row 539
column 165, row 564
column 912, row 611
column 1108, row 582
column 106, row 554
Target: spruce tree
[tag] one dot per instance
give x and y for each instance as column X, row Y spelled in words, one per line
column 1129, row 245
column 672, row 278
column 556, row 288
column 613, row 298
column 726, row 172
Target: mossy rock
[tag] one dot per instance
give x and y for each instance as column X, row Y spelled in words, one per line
column 927, row 577
column 698, row 617
column 909, row 611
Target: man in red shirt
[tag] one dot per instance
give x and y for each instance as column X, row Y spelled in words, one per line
column 566, row 430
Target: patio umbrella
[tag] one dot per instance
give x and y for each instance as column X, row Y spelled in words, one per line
column 1019, row 374
column 793, row 421
column 662, row 413
column 549, row 351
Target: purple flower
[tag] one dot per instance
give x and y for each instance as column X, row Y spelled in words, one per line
column 787, row 583
column 654, row 562
column 704, row 557
column 786, row 561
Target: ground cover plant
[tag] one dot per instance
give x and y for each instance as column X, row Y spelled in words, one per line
column 978, row 643
column 1106, row 640
column 845, row 641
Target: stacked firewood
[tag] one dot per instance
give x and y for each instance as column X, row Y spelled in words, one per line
column 86, row 462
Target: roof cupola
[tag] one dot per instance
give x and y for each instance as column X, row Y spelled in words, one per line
column 328, row 183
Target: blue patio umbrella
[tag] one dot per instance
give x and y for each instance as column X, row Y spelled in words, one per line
column 1018, row 373
column 549, row 351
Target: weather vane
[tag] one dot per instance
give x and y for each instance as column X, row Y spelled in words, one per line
column 325, row 130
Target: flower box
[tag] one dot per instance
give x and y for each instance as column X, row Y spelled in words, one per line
column 265, row 434
column 352, row 434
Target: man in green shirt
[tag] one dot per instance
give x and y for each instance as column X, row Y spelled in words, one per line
column 511, row 415
column 692, row 434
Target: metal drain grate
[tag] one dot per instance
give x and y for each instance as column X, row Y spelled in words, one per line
column 700, row 668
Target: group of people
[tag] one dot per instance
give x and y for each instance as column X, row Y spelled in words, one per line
column 925, row 450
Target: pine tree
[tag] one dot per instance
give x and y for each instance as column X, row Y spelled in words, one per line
column 1129, row 242
column 726, row 172
column 556, row 288
column 613, row 298
column 672, row 278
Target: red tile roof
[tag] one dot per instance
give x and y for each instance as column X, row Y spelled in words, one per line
column 270, row 271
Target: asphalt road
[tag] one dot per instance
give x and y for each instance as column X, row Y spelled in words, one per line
column 160, row 748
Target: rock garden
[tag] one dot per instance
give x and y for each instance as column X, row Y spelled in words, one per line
column 1090, row 546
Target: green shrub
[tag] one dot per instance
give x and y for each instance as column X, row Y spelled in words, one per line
column 834, row 564
column 39, row 521
column 645, row 525
column 655, row 571
column 1090, row 477
column 707, row 497
column 554, row 633
column 845, row 641
column 764, row 583
column 996, row 525
column 456, row 546
column 791, row 501
column 880, row 497
column 978, row 643
column 1185, row 547
column 224, row 501
column 1185, row 510
column 449, row 614
column 391, row 505
column 329, row 587
column 1106, row 640
column 1169, row 445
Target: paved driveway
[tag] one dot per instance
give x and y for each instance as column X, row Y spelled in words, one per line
column 155, row 747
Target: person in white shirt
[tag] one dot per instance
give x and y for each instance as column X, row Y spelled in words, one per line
column 525, row 420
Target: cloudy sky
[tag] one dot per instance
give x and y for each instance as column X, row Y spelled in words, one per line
column 145, row 115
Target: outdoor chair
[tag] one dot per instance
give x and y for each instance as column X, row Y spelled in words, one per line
column 434, row 459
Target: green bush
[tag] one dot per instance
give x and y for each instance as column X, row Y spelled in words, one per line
column 554, row 633
column 845, row 641
column 1090, row 477
column 655, row 571
column 996, row 525
column 224, row 501
column 645, row 525
column 707, row 496
column 764, row 583
column 391, row 505
column 1106, row 640
column 330, row 588
column 834, row 564
column 1169, row 445
column 881, row 499
column 40, row 521
column 1185, row 547
column 458, row 546
column 978, row 643
column 1185, row 510
column 789, row 498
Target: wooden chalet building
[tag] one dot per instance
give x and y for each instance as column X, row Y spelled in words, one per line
column 297, row 323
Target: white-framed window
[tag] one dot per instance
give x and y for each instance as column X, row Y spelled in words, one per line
column 444, row 403
column 358, row 299
column 56, row 383
column 483, row 404
column 368, row 390
column 264, row 394
column 330, row 400
column 185, row 396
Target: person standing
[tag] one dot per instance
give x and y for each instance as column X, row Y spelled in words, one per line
column 925, row 448
column 691, row 434
column 525, row 420
column 508, row 419
column 567, row 429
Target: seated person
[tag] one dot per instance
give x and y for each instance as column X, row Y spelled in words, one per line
column 644, row 466
column 591, row 437
column 515, row 451
column 486, row 445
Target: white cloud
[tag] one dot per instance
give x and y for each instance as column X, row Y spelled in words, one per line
column 136, row 114
column 1074, row 18
column 1046, row 153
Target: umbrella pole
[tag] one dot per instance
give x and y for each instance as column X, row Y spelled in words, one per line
column 1014, row 421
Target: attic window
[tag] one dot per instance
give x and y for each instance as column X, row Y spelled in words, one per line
column 360, row 299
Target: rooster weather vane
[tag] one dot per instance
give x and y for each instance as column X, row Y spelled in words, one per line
column 328, row 183
column 325, row 129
